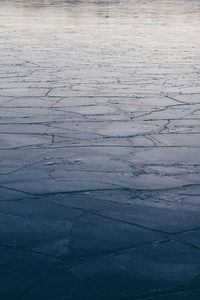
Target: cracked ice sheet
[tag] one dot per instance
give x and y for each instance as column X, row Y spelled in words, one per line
column 108, row 129
column 148, row 269
column 88, row 168
column 63, row 171
column 47, row 281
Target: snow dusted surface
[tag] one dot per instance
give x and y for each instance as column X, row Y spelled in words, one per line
column 100, row 150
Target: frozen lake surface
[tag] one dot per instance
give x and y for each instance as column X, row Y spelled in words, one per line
column 100, row 150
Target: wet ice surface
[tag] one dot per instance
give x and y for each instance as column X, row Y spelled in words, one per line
column 99, row 150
